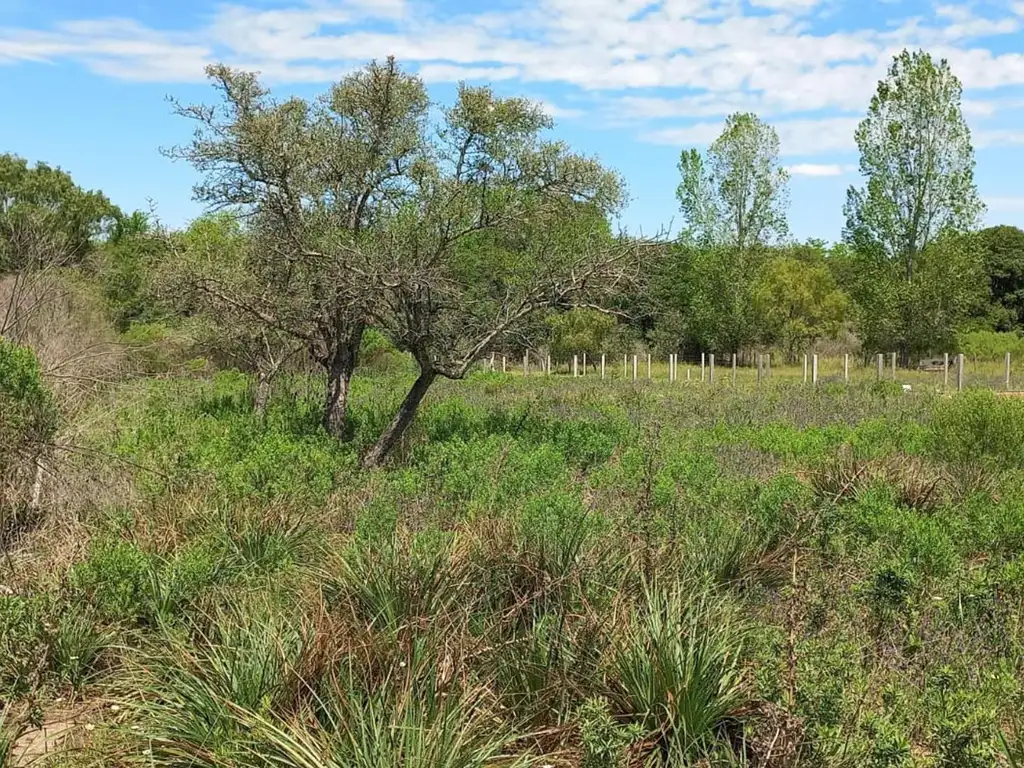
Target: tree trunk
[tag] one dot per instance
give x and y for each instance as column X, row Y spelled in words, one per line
column 340, row 364
column 262, row 396
column 403, row 418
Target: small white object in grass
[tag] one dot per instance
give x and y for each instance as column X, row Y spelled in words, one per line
column 115, row 708
column 136, row 728
column 90, row 727
column 906, row 388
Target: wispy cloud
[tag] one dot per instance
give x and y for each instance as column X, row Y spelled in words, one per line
column 820, row 169
column 672, row 68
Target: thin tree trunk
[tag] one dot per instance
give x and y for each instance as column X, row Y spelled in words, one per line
column 340, row 365
column 403, row 418
column 262, row 396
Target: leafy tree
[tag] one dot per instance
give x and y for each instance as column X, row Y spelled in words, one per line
column 798, row 302
column 310, row 178
column 736, row 195
column 125, row 264
column 1003, row 252
column 917, row 158
column 581, row 331
column 361, row 212
column 704, row 298
column 46, row 201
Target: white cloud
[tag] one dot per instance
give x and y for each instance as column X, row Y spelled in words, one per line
column 678, row 61
column 815, row 169
column 796, row 137
column 1005, row 204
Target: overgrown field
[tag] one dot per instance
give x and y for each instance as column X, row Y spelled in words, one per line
column 550, row 572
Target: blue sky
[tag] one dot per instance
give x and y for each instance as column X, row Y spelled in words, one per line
column 84, row 84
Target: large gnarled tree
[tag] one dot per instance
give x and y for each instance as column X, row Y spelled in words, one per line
column 364, row 211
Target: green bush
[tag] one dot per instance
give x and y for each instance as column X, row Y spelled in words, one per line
column 990, row 345
column 978, row 427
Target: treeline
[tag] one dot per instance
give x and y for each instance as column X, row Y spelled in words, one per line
column 366, row 217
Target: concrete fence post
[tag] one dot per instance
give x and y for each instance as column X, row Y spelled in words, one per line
column 960, row 372
column 526, row 363
column 881, row 366
column 814, row 370
column 634, row 367
column 504, row 368
column 583, row 370
column 892, row 357
column 602, row 366
column 648, row 366
column 734, row 368
column 701, row 367
column 760, row 369
column 1007, row 371
column 768, row 365
column 711, row 369
column 625, row 367
column 492, row 362
column 575, row 366
column 846, row 367
column 805, row 369
column 945, row 371
column 548, row 366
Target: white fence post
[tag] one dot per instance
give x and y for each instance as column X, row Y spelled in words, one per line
column 602, row 365
column 526, row 363
column 768, row 365
column 760, row 368
column 701, row 367
column 814, row 370
column 648, row 365
column 634, row 368
column 846, row 367
column 1007, row 371
column 549, row 364
column 960, row 372
column 805, row 369
column 945, row 371
column 575, row 366
column 711, row 369
column 583, row 371
column 625, row 367
column 492, row 362
column 893, row 358
column 734, row 368
column 504, row 368
column 881, row 365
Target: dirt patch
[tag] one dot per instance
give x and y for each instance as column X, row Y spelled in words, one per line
column 55, row 735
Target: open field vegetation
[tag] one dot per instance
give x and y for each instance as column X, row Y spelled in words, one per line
column 263, row 502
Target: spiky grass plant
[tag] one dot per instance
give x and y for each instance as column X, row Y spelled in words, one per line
column 677, row 670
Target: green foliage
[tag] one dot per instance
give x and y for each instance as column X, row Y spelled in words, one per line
column 1003, row 248
column 736, row 196
column 979, row 428
column 679, row 670
column 46, row 197
column 798, row 303
column 126, row 266
column 579, row 332
column 990, row 345
column 918, row 161
column 29, row 413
